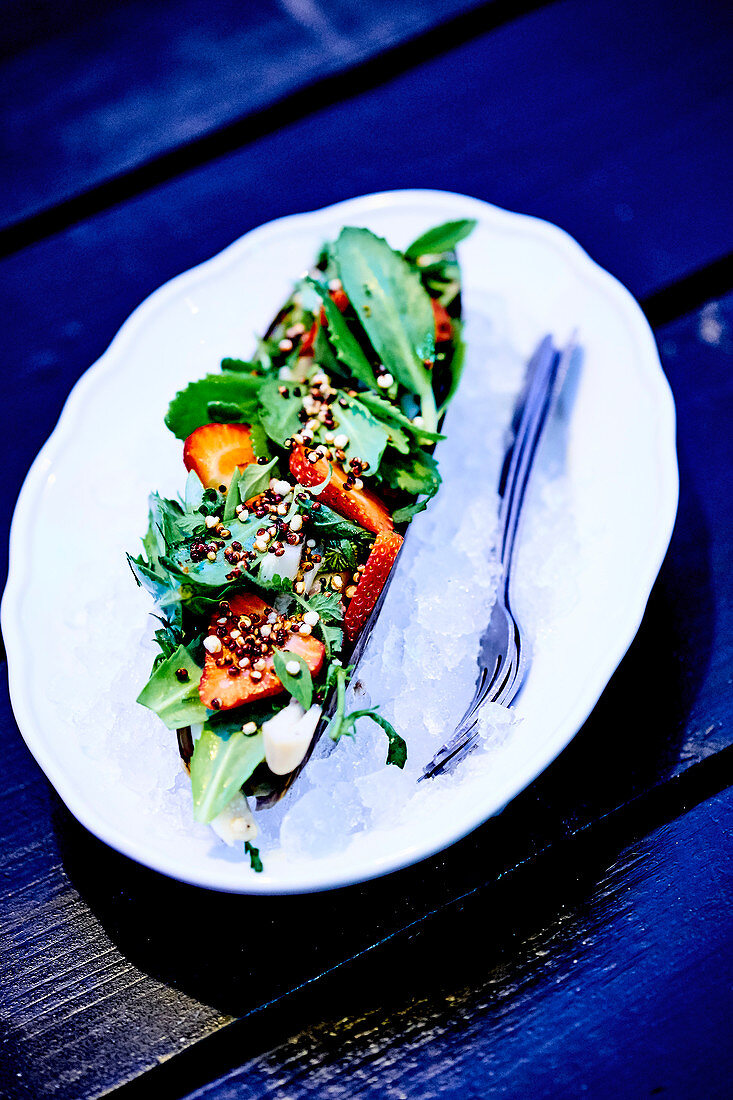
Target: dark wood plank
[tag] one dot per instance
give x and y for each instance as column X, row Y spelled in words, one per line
column 612, row 120
column 598, row 978
column 99, row 979
column 95, row 91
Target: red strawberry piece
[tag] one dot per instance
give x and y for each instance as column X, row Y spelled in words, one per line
column 306, row 344
column 379, row 563
column 443, row 323
column 360, row 505
column 214, row 450
column 221, row 691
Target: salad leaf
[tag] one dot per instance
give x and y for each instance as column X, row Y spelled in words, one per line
column 175, row 702
column 457, row 364
column 223, row 759
column 232, row 497
column 403, row 515
column 344, row 342
column 328, row 606
column 416, row 474
column 394, row 308
column 189, row 409
column 254, row 479
column 299, row 686
column 340, row 555
column 212, row 573
column 344, row 725
column 367, row 437
column 385, row 410
column 254, row 857
column 279, row 416
column 327, row 524
column 397, row 747
column 441, row 238
column 241, row 366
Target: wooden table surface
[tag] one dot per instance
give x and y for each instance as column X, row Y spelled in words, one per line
column 578, row 944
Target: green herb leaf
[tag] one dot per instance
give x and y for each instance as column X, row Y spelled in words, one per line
column 394, row 308
column 441, row 238
column 254, row 857
column 189, row 409
column 397, row 747
column 404, row 515
column 254, row 479
column 367, row 436
column 415, row 474
column 279, row 415
column 223, row 759
column 176, row 702
column 212, row 573
column 343, row 725
column 385, row 410
column 342, row 339
column 457, row 363
column 300, row 686
column 241, row 366
column 327, row 525
column 224, row 412
column 232, row 497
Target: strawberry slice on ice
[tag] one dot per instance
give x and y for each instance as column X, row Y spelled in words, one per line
column 360, row 505
column 379, row 563
column 219, row 688
column 214, row 450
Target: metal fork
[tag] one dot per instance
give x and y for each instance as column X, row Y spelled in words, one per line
column 502, row 656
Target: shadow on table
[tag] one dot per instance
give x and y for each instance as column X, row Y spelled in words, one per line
column 236, row 953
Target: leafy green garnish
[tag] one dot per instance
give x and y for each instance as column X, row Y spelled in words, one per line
column 254, row 856
column 418, row 473
column 344, row 725
column 327, row 524
column 367, row 436
column 176, row 702
column 223, row 759
column 189, row 409
column 254, row 479
column 394, row 308
column 457, row 363
column 340, row 555
column 300, row 686
column 404, row 515
column 342, row 339
column 441, row 238
column 279, row 415
column 328, row 607
column 386, row 411
column 241, row 366
column 212, row 573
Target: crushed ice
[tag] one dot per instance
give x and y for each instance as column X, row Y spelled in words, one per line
column 419, row 666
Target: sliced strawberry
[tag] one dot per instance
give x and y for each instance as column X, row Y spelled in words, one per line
column 221, row 691
column 214, row 450
column 339, row 299
column 360, row 505
column 306, row 344
column 379, row 563
column 443, row 323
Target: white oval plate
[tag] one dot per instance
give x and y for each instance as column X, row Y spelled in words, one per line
column 84, row 503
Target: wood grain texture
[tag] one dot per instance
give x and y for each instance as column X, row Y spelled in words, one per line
column 590, row 979
column 566, row 113
column 98, row 977
column 119, row 85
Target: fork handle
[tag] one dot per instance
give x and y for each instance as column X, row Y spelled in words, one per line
column 544, row 375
